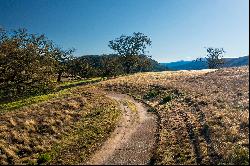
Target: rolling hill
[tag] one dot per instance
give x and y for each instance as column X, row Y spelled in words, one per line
column 197, row 65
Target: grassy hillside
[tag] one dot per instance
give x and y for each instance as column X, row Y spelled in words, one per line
column 204, row 117
column 71, row 124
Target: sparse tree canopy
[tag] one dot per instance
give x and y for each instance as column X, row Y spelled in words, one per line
column 63, row 59
column 214, row 57
column 129, row 48
column 130, row 45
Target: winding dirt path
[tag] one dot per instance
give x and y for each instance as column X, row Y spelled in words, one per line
column 133, row 141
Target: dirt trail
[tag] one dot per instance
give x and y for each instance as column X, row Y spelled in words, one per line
column 133, row 140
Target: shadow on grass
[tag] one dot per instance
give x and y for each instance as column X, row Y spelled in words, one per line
column 79, row 83
column 59, row 91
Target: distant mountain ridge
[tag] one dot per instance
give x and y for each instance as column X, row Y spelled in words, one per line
column 198, row 65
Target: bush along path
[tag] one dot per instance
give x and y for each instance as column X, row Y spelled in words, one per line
column 133, row 141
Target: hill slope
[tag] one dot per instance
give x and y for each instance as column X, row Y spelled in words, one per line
column 203, row 116
column 63, row 130
column 236, row 62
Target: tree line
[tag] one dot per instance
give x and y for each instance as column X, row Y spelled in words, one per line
column 31, row 64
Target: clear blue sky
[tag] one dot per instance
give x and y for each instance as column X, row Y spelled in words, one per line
column 179, row 29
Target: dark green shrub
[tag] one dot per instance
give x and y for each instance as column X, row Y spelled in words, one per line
column 44, row 158
column 166, row 99
column 151, row 94
column 151, row 110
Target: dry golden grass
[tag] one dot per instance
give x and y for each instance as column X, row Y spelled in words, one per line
column 204, row 116
column 204, row 119
column 65, row 130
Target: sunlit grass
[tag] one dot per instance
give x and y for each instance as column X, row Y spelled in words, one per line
column 77, row 82
column 197, row 110
column 65, row 130
column 93, row 129
column 65, row 86
column 31, row 100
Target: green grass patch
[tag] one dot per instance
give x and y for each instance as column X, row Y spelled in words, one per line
column 43, row 158
column 77, row 82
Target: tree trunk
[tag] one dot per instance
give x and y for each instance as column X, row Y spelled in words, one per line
column 59, row 76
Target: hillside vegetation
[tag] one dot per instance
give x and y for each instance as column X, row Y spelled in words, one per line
column 203, row 116
column 31, row 64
